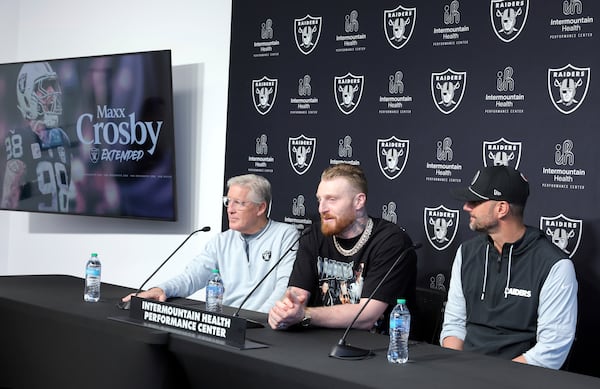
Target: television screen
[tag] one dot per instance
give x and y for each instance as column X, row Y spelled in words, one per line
column 89, row 136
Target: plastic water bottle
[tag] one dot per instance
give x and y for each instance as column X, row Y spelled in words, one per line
column 399, row 331
column 214, row 292
column 93, row 269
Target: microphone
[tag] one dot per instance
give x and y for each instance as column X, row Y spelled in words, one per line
column 237, row 312
column 345, row 351
column 125, row 305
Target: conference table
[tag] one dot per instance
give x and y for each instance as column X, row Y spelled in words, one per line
column 51, row 338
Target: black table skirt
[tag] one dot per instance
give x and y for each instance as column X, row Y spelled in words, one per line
column 51, row 338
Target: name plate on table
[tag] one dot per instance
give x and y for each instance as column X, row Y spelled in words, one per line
column 224, row 328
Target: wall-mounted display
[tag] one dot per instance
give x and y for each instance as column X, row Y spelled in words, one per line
column 89, row 136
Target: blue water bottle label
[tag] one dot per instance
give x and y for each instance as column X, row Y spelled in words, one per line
column 93, row 272
column 213, row 290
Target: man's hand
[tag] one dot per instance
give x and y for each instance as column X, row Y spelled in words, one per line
column 521, row 359
column 151, row 294
column 289, row 310
column 453, row 342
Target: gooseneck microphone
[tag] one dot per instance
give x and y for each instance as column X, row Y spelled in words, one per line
column 125, row 305
column 303, row 233
column 342, row 350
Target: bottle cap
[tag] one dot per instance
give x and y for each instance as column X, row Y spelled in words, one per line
column 94, row 254
column 401, row 301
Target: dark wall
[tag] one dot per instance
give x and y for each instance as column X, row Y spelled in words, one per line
column 509, row 100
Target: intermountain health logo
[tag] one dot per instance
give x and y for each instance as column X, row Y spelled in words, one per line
column 563, row 174
column 441, row 224
column 388, row 212
column 508, row 18
column 394, row 100
column 564, row 232
column 398, row 25
column 264, row 92
column 504, row 100
column 452, row 13
column 351, row 40
column 301, row 151
column 392, row 154
column 304, row 103
column 447, row 89
column 454, row 31
column 572, row 22
column 298, row 207
column 568, row 87
column 307, row 32
column 345, row 147
column 260, row 161
column 262, row 147
column 267, row 45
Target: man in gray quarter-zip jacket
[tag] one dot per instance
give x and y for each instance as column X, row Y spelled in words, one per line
column 513, row 293
column 245, row 253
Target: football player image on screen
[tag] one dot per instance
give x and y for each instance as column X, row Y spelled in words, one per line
column 38, row 158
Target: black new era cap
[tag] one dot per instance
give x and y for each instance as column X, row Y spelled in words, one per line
column 496, row 183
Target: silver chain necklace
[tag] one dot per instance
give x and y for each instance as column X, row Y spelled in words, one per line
column 359, row 245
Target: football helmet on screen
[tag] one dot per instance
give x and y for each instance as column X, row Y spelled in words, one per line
column 39, row 96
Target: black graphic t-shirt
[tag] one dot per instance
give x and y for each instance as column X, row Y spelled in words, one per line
column 339, row 282
column 332, row 278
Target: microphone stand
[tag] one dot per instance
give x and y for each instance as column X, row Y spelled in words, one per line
column 342, row 350
column 125, row 305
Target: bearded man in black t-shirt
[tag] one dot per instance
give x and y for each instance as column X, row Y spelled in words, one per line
column 339, row 265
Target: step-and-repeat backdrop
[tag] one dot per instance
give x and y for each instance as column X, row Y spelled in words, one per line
column 421, row 94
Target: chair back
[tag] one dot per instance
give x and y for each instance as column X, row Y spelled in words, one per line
column 428, row 315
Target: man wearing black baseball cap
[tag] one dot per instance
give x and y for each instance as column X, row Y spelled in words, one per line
column 513, row 293
column 496, row 183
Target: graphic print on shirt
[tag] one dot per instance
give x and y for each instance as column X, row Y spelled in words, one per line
column 339, row 282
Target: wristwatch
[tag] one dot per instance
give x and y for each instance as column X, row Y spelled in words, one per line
column 305, row 322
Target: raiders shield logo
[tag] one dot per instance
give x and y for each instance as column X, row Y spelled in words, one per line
column 568, row 87
column 508, row 18
column 266, row 255
column 264, row 92
column 94, row 154
column 501, row 152
column 563, row 231
column 441, row 225
column 348, row 91
column 398, row 25
column 301, row 151
column 307, row 32
column 447, row 89
column 392, row 154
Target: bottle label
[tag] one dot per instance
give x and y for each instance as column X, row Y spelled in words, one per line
column 399, row 323
column 92, row 272
column 214, row 290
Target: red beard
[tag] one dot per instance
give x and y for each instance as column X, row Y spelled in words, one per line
column 340, row 224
